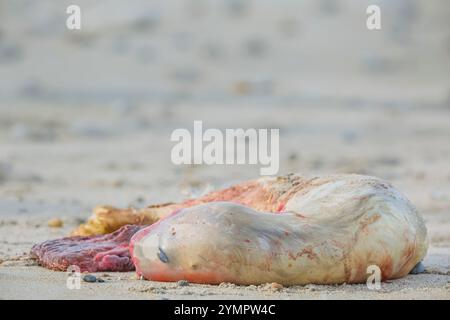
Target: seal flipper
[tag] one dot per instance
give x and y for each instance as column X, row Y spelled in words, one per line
column 419, row 268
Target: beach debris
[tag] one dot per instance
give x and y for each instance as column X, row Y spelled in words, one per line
column 293, row 156
column 242, row 87
column 138, row 277
column 183, row 283
column 89, row 278
column 55, row 223
column 275, row 286
column 118, row 183
column 311, row 287
column 227, row 285
column 258, row 86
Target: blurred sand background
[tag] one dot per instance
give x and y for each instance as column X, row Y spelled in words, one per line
column 86, row 118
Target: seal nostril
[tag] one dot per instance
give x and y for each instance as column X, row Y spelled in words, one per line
column 163, row 256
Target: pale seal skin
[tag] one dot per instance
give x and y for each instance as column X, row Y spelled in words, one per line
column 328, row 231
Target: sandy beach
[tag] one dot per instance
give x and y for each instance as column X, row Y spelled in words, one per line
column 86, row 118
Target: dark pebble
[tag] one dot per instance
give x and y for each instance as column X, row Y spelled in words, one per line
column 183, row 283
column 89, row 278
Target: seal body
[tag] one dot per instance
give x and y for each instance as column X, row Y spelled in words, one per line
column 325, row 230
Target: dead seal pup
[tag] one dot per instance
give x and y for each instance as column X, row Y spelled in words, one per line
column 289, row 230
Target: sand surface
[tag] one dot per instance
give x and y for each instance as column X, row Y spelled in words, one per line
column 86, row 120
column 65, row 179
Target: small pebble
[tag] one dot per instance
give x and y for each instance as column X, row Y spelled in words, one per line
column 118, row 183
column 293, row 156
column 242, row 88
column 310, row 287
column 226, row 285
column 419, row 268
column 100, row 280
column 183, row 283
column 276, row 286
column 89, row 278
column 140, row 199
column 55, row 223
column 139, row 277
